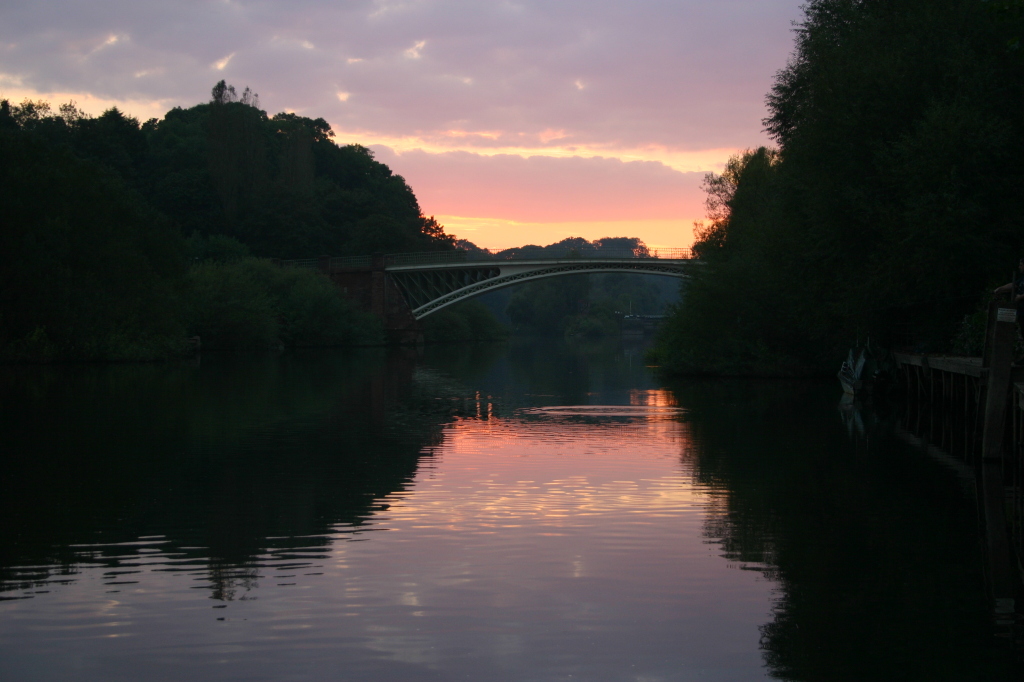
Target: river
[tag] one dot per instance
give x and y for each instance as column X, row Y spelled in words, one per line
column 527, row 511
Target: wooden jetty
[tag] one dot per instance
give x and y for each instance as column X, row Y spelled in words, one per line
column 973, row 409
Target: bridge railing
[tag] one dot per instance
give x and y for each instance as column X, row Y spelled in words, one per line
column 335, row 264
column 346, row 262
column 445, row 257
column 311, row 263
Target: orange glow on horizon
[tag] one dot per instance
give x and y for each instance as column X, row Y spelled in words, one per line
column 497, row 234
column 683, row 160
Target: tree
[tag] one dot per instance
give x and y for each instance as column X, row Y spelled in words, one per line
column 891, row 201
column 222, row 93
column 96, row 269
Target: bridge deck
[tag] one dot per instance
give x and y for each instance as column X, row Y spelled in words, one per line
column 465, row 259
column 532, row 262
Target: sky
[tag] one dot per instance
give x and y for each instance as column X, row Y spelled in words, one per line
column 513, row 122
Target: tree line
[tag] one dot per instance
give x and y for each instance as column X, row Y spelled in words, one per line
column 891, row 205
column 581, row 306
column 122, row 239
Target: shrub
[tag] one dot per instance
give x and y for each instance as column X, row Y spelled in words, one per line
column 466, row 321
column 252, row 303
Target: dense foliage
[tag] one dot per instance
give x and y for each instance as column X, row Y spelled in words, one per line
column 278, row 184
column 93, row 259
column 88, row 270
column 465, row 321
column 252, row 303
column 891, row 206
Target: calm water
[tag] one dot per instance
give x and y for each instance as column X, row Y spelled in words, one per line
column 531, row 512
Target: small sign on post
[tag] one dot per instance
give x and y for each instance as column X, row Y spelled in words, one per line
column 1006, row 315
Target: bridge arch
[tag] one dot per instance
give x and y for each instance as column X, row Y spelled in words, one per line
column 428, row 282
column 428, row 289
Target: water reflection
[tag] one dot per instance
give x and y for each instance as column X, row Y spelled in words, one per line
column 875, row 546
column 238, row 466
column 522, row 512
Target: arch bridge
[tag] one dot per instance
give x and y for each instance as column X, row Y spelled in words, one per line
column 404, row 288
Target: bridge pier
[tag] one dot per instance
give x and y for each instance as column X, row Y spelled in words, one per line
column 372, row 290
column 378, row 287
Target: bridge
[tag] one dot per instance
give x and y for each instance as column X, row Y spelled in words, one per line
column 404, row 288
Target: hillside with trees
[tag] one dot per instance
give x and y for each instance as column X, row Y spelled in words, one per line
column 891, row 206
column 121, row 239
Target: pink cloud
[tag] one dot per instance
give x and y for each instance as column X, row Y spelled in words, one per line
column 547, row 189
column 682, row 74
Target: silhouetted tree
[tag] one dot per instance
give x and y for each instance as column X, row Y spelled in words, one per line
column 893, row 199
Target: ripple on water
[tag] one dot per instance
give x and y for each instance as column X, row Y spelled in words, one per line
column 642, row 411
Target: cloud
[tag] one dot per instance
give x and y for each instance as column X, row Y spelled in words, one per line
column 220, row 64
column 676, row 74
column 111, row 40
column 414, row 52
column 569, row 111
column 546, row 189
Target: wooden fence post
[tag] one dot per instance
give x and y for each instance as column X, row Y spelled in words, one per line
column 998, row 360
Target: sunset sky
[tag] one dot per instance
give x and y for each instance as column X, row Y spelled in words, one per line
column 514, row 122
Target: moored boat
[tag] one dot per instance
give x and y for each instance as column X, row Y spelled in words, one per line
column 864, row 367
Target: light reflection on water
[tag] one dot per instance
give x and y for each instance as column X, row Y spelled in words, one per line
column 526, row 518
column 530, row 548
